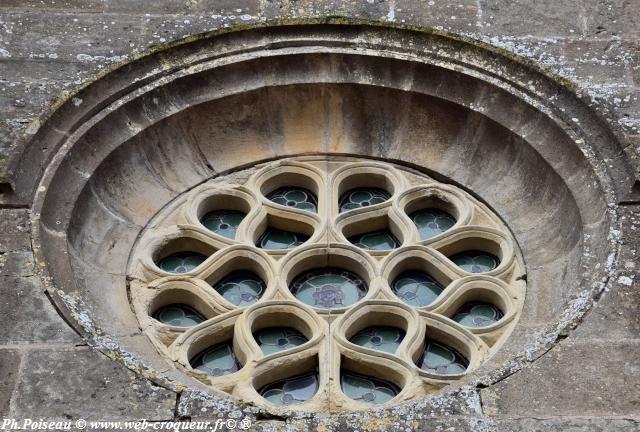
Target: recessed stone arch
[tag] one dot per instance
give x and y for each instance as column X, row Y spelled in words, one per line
column 466, row 114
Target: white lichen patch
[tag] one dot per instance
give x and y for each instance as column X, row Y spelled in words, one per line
column 625, row 280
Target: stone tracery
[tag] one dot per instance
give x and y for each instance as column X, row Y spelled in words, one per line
column 325, row 307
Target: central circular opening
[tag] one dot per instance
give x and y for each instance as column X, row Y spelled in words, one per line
column 328, row 288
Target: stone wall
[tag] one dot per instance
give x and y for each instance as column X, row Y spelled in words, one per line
column 589, row 381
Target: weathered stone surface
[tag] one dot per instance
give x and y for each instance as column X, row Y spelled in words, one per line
column 49, row 47
column 459, row 424
column 588, row 56
column 591, row 18
column 615, row 317
column 613, row 19
column 544, row 18
column 21, row 103
column 29, row 315
column 98, row 389
column 68, row 37
column 635, row 71
column 78, row 5
column 14, row 222
column 633, row 154
column 520, row 27
column 41, row 72
column 197, row 405
column 18, row 263
column 9, row 367
column 167, row 7
column 575, row 378
column 379, row 10
column 584, row 424
column 14, row 230
column 131, row 6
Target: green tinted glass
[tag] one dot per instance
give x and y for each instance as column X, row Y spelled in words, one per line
column 178, row 315
column 367, row 389
column 276, row 339
column 431, row 222
column 217, row 360
column 477, row 315
column 441, row 359
column 376, row 240
column 362, row 197
column 295, row 197
column 475, row 261
column 280, row 239
column 291, row 390
column 223, row 222
column 381, row 338
column 416, row 288
column 241, row 288
column 182, row 262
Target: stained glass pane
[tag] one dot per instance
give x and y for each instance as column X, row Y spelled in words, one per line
column 217, row 360
column 381, row 338
column 376, row 240
column 276, row 339
column 362, row 197
column 475, row 261
column 367, row 389
column 241, row 288
column 477, row 315
column 223, row 222
column 280, row 239
column 431, row 222
column 179, row 315
column 291, row 390
column 441, row 359
column 295, row 197
column 416, row 288
column 182, row 262
column 328, row 288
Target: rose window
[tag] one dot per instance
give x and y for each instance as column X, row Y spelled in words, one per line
column 326, row 283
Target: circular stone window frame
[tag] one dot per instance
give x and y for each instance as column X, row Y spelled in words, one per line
column 52, row 172
column 328, row 246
